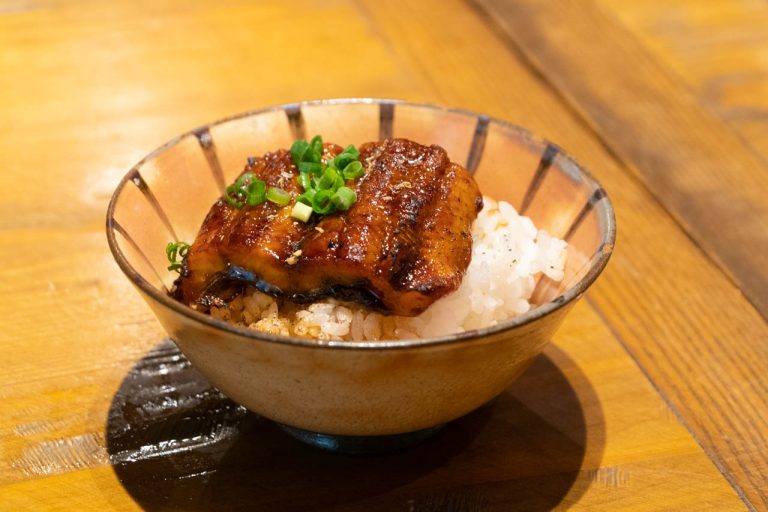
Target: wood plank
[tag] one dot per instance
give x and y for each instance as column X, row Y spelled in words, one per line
column 718, row 47
column 702, row 171
column 653, row 257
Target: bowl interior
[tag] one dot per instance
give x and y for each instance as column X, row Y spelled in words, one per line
column 166, row 196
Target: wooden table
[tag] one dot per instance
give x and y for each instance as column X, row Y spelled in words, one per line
column 652, row 396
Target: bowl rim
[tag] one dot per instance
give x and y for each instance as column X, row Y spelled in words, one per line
column 569, row 294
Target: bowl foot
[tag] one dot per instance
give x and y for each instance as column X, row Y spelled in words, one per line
column 360, row 445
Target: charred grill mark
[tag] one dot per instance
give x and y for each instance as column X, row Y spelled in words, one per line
column 407, row 240
column 371, row 219
column 442, row 249
column 267, row 225
column 413, row 183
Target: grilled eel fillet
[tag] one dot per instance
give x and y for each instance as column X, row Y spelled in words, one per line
column 402, row 245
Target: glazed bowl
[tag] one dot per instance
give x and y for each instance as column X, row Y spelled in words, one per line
column 364, row 388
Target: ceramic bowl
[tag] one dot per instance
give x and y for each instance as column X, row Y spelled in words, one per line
column 350, row 390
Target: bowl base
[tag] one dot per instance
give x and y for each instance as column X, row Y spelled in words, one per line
column 360, row 445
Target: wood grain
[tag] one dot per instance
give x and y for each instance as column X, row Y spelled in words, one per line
column 719, row 48
column 134, row 76
column 673, row 308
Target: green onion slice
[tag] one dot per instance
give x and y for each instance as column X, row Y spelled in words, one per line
column 299, row 150
column 353, row 170
column 278, row 196
column 350, row 154
column 301, row 211
column 344, row 198
column 322, row 203
column 310, row 167
column 316, row 145
column 352, row 150
column 256, row 192
column 307, row 196
column 328, row 179
column 343, row 160
column 173, row 251
column 305, row 180
column 234, row 195
column 339, row 182
column 241, row 181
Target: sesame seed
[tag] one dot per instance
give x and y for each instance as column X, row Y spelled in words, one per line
column 293, row 258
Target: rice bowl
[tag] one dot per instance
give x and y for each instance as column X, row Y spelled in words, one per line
column 361, row 388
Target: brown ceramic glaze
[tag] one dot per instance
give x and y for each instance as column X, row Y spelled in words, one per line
column 359, row 388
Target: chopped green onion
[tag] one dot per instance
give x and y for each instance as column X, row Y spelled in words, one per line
column 233, row 196
column 278, row 196
column 343, row 198
column 301, row 211
column 324, row 184
column 305, row 180
column 328, row 179
column 307, row 196
column 353, row 170
column 316, row 145
column 322, row 203
column 257, row 192
column 352, row 150
column 299, row 150
column 310, row 167
column 173, row 251
column 343, row 160
column 350, row 154
column 240, row 183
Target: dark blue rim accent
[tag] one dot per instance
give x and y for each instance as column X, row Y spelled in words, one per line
column 360, row 445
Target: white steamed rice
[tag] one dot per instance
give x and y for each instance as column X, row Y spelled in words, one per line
column 507, row 254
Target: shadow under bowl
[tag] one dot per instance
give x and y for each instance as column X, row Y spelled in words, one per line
column 347, row 390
